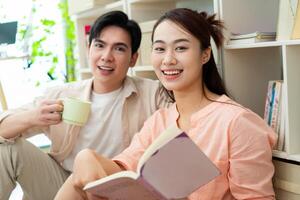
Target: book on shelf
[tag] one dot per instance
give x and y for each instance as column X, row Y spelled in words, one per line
column 87, row 29
column 286, row 19
column 269, row 102
column 274, row 113
column 282, row 120
column 172, row 167
column 276, row 106
column 296, row 27
column 252, row 37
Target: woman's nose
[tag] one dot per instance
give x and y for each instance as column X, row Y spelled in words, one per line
column 169, row 59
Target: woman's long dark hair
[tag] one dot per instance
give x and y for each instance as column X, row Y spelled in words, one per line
column 203, row 27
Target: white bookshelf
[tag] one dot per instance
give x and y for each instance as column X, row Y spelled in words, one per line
column 247, row 68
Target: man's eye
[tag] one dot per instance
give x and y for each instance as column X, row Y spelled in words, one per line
column 121, row 49
column 99, row 45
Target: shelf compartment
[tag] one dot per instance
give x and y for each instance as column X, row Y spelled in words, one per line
column 96, row 10
column 247, row 73
column 144, row 71
column 291, row 76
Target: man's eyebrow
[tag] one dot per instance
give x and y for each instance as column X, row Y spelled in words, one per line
column 176, row 41
column 115, row 44
column 98, row 40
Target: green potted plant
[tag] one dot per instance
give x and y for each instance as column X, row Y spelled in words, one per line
column 38, row 39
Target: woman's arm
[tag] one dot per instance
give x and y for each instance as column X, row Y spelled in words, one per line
column 88, row 166
column 251, row 168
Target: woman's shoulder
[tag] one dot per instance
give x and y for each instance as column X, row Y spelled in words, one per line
column 228, row 110
column 228, row 105
column 240, row 115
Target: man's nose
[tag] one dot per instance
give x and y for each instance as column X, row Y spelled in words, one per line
column 107, row 55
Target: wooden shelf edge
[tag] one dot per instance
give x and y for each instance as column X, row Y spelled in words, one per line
column 14, row 57
column 286, row 156
column 149, row 1
column 85, row 70
column 143, row 68
column 261, row 44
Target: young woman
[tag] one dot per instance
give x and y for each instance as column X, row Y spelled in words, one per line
column 237, row 140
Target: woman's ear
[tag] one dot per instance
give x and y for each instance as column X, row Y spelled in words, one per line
column 133, row 59
column 206, row 55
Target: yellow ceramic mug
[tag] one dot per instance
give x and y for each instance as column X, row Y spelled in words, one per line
column 75, row 111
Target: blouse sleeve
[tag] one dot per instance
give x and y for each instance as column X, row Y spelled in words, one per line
column 250, row 157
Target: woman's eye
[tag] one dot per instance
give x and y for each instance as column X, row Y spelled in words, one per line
column 158, row 49
column 181, row 48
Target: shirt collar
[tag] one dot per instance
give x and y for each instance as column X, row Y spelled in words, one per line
column 86, row 95
column 204, row 112
column 129, row 87
column 173, row 114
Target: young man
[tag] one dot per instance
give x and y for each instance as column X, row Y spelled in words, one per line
column 120, row 105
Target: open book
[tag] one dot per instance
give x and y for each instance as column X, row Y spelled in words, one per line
column 172, row 167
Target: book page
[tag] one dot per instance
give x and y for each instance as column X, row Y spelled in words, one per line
column 122, row 174
column 122, row 188
column 160, row 141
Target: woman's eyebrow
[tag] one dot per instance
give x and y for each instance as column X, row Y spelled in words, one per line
column 181, row 40
column 175, row 41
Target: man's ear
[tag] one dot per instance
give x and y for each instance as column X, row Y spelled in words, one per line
column 133, row 59
column 88, row 50
column 206, row 55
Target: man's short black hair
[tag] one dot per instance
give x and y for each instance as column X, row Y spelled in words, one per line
column 120, row 19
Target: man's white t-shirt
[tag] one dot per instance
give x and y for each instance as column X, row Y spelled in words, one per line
column 103, row 131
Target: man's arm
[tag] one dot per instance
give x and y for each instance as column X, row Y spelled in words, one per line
column 47, row 113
